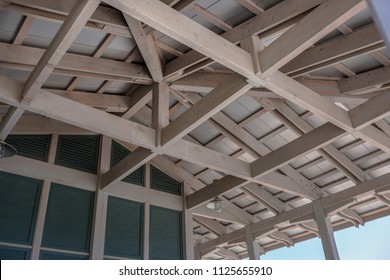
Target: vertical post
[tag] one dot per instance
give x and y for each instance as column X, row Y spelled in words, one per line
column 252, row 247
column 188, row 226
column 160, row 108
column 44, row 199
column 146, row 252
column 326, row 232
column 381, row 11
column 101, row 203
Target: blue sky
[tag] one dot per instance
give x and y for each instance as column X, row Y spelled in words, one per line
column 371, row 242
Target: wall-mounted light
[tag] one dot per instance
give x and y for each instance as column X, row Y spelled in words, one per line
column 215, row 204
column 6, row 150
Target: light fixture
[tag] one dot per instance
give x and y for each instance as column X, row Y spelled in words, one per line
column 215, row 204
column 6, row 150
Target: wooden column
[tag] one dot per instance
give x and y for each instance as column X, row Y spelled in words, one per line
column 101, row 202
column 188, row 226
column 44, row 198
column 253, row 250
column 326, row 232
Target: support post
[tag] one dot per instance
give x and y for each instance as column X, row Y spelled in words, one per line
column 188, row 226
column 44, row 199
column 253, row 250
column 101, row 202
column 326, row 232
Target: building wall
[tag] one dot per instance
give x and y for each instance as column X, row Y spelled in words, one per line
column 60, row 213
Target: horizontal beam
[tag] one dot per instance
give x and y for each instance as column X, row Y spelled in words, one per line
column 205, row 108
column 176, row 25
column 69, row 30
column 108, row 102
column 56, row 107
column 321, row 21
column 359, row 191
column 216, row 188
column 208, row 158
column 266, row 21
column 313, row 140
column 334, row 51
column 365, row 80
column 75, row 65
column 371, row 111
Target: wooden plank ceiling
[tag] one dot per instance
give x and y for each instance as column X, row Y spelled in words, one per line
column 267, row 104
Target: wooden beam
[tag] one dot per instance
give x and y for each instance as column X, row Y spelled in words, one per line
column 176, row 25
column 264, row 197
column 160, row 110
column 216, row 188
column 371, row 111
column 9, row 121
column 65, row 36
column 321, row 21
column 262, row 23
column 336, row 50
column 25, row 58
column 56, row 107
column 138, row 100
column 251, row 245
column 18, row 40
column 208, row 158
column 251, row 6
column 329, row 152
column 216, row 100
column 307, row 98
column 359, row 191
column 128, row 165
column 210, row 17
column 326, row 232
column 111, row 103
column 104, row 19
column 365, row 80
column 212, row 225
column 318, row 137
column 147, row 48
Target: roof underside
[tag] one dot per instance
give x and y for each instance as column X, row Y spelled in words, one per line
column 297, row 133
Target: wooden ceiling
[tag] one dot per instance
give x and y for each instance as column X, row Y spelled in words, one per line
column 269, row 105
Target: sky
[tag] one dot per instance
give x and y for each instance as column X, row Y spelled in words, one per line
column 369, row 242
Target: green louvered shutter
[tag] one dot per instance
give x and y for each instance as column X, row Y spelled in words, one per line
column 78, row 152
column 31, row 146
column 166, row 240
column 68, row 219
column 19, row 200
column 162, row 182
column 118, row 152
column 9, row 253
column 124, row 228
column 46, row 255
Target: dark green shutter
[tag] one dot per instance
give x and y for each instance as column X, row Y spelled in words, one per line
column 118, row 152
column 10, row 253
column 78, row 152
column 19, row 200
column 124, row 228
column 31, row 146
column 162, row 182
column 68, row 219
column 47, row 255
column 165, row 234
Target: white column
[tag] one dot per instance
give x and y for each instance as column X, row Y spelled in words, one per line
column 188, row 226
column 326, row 232
column 44, row 198
column 252, row 247
column 101, row 202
